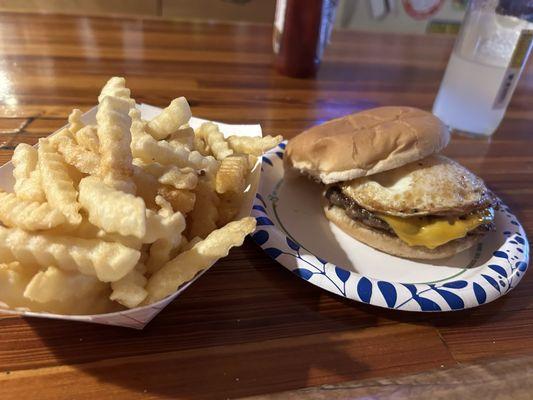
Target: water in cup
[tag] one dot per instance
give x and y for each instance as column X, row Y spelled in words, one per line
column 483, row 70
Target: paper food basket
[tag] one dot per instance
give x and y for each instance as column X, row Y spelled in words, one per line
column 138, row 318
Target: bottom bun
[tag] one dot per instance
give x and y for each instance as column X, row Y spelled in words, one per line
column 393, row 245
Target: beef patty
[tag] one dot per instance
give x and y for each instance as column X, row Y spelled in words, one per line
column 335, row 197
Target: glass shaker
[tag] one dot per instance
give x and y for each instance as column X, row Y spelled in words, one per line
column 488, row 57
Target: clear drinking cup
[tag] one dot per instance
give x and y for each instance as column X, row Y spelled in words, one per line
column 486, row 62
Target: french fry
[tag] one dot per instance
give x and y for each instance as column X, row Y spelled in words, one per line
column 215, row 140
column 74, row 121
column 181, row 200
column 159, row 254
column 26, row 173
column 183, row 137
column 230, row 204
column 163, row 246
column 54, row 284
column 28, row 215
column 84, row 160
column 253, row 145
column 83, row 230
column 111, row 209
column 116, row 87
column 200, row 145
column 24, row 161
column 204, row 254
column 145, row 253
column 187, row 245
column 182, row 178
column 145, row 147
column 147, row 186
column 148, row 149
column 179, row 178
column 114, row 137
column 202, row 219
column 209, row 165
column 59, row 188
column 163, row 224
column 129, row 291
column 107, row 261
column 231, row 176
column 170, row 119
column 86, row 230
column 129, row 241
column 87, row 137
column 15, row 278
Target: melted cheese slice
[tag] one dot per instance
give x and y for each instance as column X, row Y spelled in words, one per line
column 434, row 232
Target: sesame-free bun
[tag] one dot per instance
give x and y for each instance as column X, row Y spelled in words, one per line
column 392, row 244
column 366, row 143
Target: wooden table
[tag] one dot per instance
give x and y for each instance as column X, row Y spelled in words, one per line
column 248, row 326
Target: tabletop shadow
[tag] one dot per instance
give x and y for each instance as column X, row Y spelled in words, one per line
column 496, row 312
column 210, row 343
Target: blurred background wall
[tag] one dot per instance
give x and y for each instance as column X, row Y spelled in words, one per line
column 375, row 15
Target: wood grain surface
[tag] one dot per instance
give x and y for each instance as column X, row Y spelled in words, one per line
column 499, row 379
column 248, row 326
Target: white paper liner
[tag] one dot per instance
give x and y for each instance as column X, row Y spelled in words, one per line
column 138, row 317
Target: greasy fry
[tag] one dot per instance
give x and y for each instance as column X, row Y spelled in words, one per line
column 147, row 186
column 215, row 140
column 204, row 254
column 28, row 215
column 231, row 176
column 59, row 188
column 230, row 204
column 54, row 284
column 129, row 291
column 27, row 176
column 183, row 137
column 170, row 119
column 162, row 247
column 87, row 137
column 115, row 87
column 107, row 261
column 114, row 137
column 165, row 224
column 74, row 121
column 180, row 178
column 111, row 209
column 145, row 147
column 84, row 160
column 253, row 145
column 202, row 219
column 181, row 200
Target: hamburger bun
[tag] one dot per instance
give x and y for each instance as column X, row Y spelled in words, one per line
column 391, row 244
column 435, row 185
column 366, row 143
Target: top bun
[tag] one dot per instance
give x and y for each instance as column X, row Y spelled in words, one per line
column 366, row 143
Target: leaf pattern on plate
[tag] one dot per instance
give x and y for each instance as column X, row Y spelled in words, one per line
column 501, row 274
column 364, row 289
column 388, row 291
column 260, row 237
column 479, row 292
column 342, row 274
column 303, row 273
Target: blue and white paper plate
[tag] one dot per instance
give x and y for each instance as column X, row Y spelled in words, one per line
column 292, row 229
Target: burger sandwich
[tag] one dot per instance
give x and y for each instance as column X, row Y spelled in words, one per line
column 386, row 185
